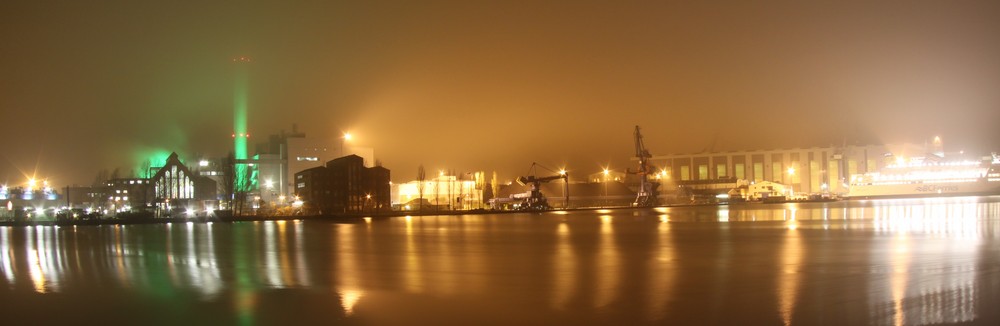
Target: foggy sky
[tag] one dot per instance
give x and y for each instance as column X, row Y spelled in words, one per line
column 472, row 85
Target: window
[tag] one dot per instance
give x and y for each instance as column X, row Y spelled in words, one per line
column 702, row 172
column 814, row 175
column 740, row 171
column 685, row 173
column 307, row 158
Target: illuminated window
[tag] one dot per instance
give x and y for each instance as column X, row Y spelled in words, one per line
column 814, row 175
column 307, row 158
column 833, row 172
column 740, row 170
column 720, row 170
column 702, row 172
column 685, row 172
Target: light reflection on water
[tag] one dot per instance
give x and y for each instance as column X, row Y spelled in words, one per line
column 788, row 274
column 564, row 268
column 608, row 263
column 882, row 262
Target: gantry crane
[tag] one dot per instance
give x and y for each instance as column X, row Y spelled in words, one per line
column 533, row 199
column 647, row 195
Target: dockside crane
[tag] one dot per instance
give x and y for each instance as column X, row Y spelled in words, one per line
column 648, row 195
column 535, row 200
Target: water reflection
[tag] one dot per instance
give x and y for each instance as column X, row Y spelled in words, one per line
column 899, row 262
column 788, row 273
column 662, row 272
column 347, row 274
column 413, row 272
column 607, row 264
column 564, row 269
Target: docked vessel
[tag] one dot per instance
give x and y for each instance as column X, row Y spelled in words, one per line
column 929, row 178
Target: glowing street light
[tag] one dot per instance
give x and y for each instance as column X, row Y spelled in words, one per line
column 343, row 140
column 606, row 173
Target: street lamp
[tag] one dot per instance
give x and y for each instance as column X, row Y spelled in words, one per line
column 562, row 172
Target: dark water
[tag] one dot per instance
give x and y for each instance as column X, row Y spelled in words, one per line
column 894, row 262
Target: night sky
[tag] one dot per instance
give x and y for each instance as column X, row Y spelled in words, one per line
column 474, row 85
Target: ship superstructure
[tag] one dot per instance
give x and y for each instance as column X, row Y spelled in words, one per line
column 929, row 176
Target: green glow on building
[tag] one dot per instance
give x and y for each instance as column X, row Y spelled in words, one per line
column 148, row 159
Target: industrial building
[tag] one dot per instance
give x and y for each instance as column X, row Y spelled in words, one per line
column 344, row 186
column 173, row 188
column 444, row 192
column 804, row 170
column 19, row 203
column 287, row 153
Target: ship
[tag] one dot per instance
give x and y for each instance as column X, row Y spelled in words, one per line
column 929, row 177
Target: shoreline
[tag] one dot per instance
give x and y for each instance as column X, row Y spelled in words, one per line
column 344, row 218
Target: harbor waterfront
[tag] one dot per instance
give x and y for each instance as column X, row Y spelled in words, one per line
column 892, row 261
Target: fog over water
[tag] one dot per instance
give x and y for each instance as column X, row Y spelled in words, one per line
column 469, row 86
column 895, row 262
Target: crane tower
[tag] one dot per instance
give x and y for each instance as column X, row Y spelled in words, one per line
column 647, row 195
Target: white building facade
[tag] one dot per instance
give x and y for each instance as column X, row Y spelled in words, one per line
column 444, row 192
column 807, row 170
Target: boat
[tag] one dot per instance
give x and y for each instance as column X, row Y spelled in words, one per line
column 929, row 177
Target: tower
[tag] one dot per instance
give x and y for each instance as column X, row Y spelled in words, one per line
column 241, row 178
